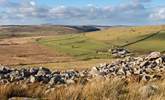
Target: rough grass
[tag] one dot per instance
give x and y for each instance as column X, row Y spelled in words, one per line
column 32, row 30
column 155, row 43
column 21, row 90
column 98, row 89
column 123, row 35
column 77, row 65
column 94, row 45
column 78, row 46
column 112, row 89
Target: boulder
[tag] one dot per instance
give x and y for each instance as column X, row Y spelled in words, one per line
column 94, row 71
column 45, row 79
column 144, row 63
column 70, row 81
column 24, row 72
column 43, row 71
column 163, row 58
column 56, row 80
column 145, row 78
column 156, row 77
column 153, row 55
column 4, row 81
column 4, row 70
column 56, row 72
column 33, row 79
column 159, row 61
column 136, row 71
column 33, row 71
column 119, row 52
column 71, row 74
column 2, row 76
column 120, row 72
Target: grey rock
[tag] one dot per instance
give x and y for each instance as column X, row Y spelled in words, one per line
column 33, row 71
column 43, row 71
column 156, row 77
column 145, row 77
column 120, row 72
column 33, row 79
column 163, row 58
column 4, row 81
column 45, row 79
column 144, row 63
column 153, row 55
column 56, row 80
column 119, row 52
column 143, row 67
column 2, row 76
column 70, row 81
column 94, row 71
column 70, row 74
column 4, row 70
column 24, row 72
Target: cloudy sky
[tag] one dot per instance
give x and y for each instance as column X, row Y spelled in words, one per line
column 83, row 12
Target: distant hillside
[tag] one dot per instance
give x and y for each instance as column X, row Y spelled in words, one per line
column 26, row 30
column 95, row 45
column 85, row 28
column 136, row 38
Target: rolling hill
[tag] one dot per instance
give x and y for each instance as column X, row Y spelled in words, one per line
column 93, row 45
column 42, row 30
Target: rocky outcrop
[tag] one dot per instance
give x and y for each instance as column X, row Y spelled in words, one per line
column 144, row 68
column 119, row 52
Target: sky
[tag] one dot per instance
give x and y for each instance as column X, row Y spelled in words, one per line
column 82, row 12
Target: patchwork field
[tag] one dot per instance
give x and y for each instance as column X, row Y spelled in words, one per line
column 94, row 45
column 78, row 46
column 81, row 50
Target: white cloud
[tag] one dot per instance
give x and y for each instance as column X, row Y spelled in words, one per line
column 121, row 13
column 127, row 13
column 158, row 14
column 32, row 3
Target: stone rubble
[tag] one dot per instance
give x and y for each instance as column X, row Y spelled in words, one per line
column 119, row 52
column 146, row 68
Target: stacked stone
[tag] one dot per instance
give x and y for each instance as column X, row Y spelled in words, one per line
column 146, row 67
column 32, row 75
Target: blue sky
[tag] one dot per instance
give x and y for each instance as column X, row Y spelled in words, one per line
column 83, row 12
column 79, row 3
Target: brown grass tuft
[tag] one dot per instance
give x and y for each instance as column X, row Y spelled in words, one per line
column 97, row 89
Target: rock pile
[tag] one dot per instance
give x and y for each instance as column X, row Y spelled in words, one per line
column 119, row 52
column 146, row 68
column 32, row 75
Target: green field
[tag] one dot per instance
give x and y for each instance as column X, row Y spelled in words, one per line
column 78, row 46
column 155, row 43
column 95, row 45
